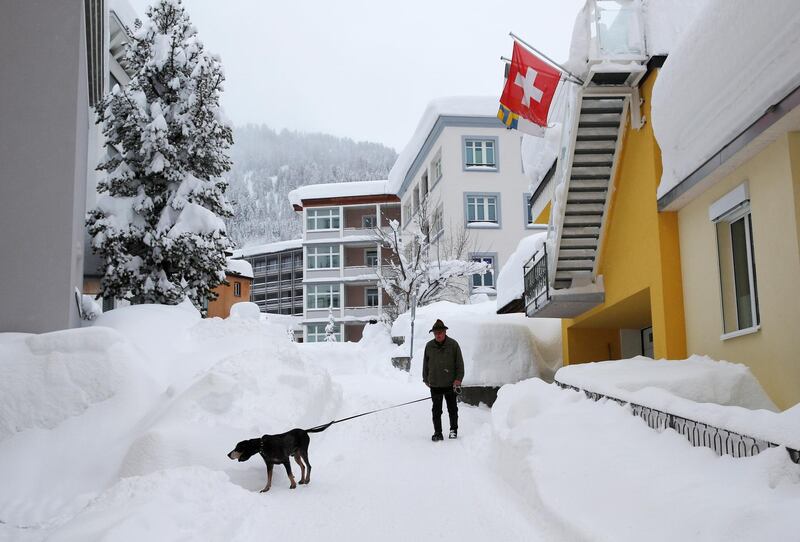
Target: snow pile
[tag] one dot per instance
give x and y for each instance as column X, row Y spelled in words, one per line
column 510, row 280
column 457, row 106
column 46, row 379
column 497, row 348
column 338, row 190
column 719, row 393
column 740, row 80
column 602, row 474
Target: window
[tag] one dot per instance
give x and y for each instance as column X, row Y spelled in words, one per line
column 237, row 289
column 415, row 198
column 487, row 279
column 316, row 332
column 436, row 169
column 371, row 257
column 482, row 208
column 437, row 224
column 737, row 270
column 372, row 297
column 526, row 202
column 369, row 221
column 480, row 152
column 322, row 296
column 322, row 256
column 423, row 186
column 322, row 219
column 407, row 212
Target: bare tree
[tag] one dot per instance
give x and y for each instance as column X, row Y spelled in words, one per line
column 426, row 264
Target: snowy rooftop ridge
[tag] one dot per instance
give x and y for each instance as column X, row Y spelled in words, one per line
column 338, row 190
column 453, row 106
column 741, row 78
column 268, row 248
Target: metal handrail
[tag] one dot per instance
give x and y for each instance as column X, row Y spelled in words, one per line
column 536, row 280
column 722, row 441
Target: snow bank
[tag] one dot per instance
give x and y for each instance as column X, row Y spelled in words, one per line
column 510, row 280
column 715, row 83
column 458, row 106
column 46, row 379
column 338, row 190
column 497, row 348
column 719, row 393
column 602, row 474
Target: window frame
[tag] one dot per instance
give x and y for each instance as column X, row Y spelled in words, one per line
column 484, row 224
column 237, row 289
column 475, row 167
column 436, row 171
column 367, row 292
column 366, row 257
column 316, row 256
column 319, row 336
column 473, row 256
column 333, row 214
column 312, row 292
column 366, row 218
column 732, row 208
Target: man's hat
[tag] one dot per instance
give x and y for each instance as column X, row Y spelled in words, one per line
column 438, row 326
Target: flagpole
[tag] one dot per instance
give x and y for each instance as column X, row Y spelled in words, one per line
column 538, row 52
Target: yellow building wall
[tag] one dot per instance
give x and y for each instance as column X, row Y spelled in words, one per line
column 639, row 260
column 772, row 352
column 544, row 216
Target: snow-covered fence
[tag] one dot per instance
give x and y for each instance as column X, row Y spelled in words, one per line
column 722, row 441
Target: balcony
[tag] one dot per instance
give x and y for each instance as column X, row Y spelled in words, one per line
column 360, row 271
column 359, row 312
column 543, row 301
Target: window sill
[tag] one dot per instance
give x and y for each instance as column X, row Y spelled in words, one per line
column 480, row 168
column 540, row 227
column 739, row 333
column 483, row 225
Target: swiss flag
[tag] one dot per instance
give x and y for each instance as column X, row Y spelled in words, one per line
column 530, row 86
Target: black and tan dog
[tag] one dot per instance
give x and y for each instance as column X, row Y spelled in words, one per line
column 278, row 449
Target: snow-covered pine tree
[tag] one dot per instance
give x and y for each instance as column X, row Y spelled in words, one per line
column 330, row 327
column 158, row 221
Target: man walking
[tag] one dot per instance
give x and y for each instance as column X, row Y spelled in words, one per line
column 442, row 372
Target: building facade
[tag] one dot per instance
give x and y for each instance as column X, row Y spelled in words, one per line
column 239, row 278
column 341, row 255
column 47, row 159
column 277, row 276
column 463, row 171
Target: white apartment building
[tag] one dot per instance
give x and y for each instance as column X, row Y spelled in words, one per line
column 340, row 255
column 465, row 168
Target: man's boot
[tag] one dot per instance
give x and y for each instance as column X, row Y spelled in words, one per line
column 437, row 437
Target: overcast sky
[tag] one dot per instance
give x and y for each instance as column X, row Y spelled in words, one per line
column 366, row 69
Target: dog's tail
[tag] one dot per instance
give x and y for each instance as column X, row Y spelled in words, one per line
column 320, row 428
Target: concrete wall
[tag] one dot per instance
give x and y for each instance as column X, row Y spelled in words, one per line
column 509, row 181
column 773, row 177
column 44, row 115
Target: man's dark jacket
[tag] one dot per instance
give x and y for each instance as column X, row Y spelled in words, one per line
column 442, row 364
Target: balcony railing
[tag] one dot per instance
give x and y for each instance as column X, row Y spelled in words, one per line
column 537, row 282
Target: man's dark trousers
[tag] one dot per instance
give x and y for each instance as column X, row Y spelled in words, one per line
column 437, row 394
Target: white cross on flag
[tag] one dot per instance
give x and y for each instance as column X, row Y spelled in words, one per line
column 530, row 87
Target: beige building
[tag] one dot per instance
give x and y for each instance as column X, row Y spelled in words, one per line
column 732, row 174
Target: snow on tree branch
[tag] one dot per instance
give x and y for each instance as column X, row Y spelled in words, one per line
column 158, row 222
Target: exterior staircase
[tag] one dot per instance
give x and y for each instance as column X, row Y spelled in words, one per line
column 593, row 156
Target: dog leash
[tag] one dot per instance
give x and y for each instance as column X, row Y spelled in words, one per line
column 323, row 427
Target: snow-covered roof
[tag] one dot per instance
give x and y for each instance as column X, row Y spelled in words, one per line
column 268, row 248
column 454, row 106
column 338, row 190
column 240, row 267
column 735, row 61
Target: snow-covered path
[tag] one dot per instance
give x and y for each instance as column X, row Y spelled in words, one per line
column 381, row 477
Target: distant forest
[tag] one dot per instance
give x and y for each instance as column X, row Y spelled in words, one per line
column 268, row 164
